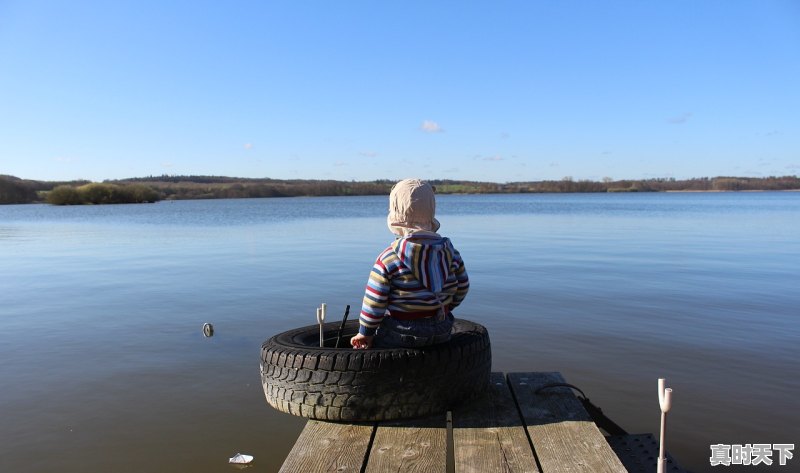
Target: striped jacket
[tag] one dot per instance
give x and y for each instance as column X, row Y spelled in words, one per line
column 412, row 275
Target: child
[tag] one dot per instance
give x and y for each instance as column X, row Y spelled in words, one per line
column 417, row 281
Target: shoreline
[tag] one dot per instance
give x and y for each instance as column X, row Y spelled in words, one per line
column 745, row 190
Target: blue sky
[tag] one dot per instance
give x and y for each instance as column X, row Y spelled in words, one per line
column 499, row 91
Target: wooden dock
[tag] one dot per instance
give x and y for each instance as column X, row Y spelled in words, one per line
column 511, row 429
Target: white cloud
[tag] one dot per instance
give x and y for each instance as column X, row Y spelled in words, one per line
column 430, row 126
column 680, row 119
column 368, row 154
column 167, row 165
column 340, row 163
column 63, row 159
column 493, row 158
column 505, row 135
column 248, row 146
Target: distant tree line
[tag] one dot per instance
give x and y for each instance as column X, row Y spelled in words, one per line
column 14, row 190
column 216, row 187
column 149, row 189
column 703, row 184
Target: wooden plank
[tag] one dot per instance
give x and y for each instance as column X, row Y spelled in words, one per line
column 329, row 447
column 488, row 434
column 410, row 446
column 564, row 437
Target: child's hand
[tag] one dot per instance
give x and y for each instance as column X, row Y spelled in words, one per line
column 361, row 342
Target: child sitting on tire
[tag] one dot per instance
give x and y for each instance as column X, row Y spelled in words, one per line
column 417, row 281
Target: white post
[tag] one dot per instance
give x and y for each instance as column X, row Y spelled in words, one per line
column 319, row 321
column 665, row 402
column 321, row 318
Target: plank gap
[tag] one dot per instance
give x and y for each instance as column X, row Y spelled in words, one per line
column 450, row 463
column 524, row 424
column 566, row 438
column 369, row 448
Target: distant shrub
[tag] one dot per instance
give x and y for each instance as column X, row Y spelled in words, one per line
column 96, row 193
column 141, row 193
column 99, row 193
column 64, row 195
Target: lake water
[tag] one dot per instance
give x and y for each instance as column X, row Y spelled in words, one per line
column 105, row 367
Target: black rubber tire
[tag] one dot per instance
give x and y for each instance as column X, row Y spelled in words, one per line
column 342, row 384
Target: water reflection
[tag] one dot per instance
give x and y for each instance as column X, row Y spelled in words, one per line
column 106, row 368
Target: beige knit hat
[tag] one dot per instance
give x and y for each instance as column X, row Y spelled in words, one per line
column 412, row 206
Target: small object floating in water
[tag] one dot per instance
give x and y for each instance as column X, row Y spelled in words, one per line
column 208, row 330
column 241, row 459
